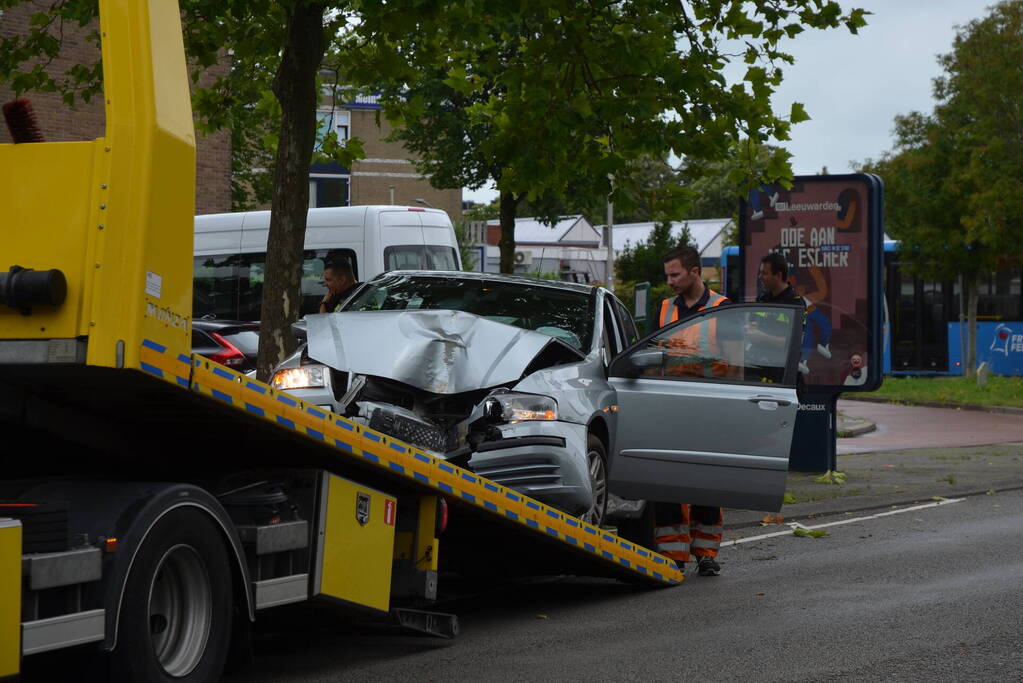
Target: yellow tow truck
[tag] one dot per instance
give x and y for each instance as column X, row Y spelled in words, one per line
column 154, row 503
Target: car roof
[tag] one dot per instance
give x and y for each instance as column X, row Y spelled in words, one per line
column 499, row 277
column 218, row 324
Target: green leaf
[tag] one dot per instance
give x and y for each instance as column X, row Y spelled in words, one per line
column 809, row 533
column 831, row 477
column 798, row 113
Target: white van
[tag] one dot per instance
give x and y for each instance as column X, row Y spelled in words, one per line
column 230, row 252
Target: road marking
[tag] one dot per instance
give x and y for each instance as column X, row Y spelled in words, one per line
column 796, row 525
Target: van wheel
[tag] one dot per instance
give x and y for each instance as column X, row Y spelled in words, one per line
column 175, row 620
column 596, row 462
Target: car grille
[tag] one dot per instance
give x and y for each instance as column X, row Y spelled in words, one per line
column 531, row 473
column 411, row 431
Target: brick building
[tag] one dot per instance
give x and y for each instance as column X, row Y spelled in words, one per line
column 386, row 176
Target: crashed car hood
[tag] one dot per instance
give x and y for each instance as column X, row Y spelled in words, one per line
column 443, row 352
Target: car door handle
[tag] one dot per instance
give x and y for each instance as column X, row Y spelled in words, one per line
column 769, row 399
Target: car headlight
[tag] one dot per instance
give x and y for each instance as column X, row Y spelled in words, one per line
column 304, row 377
column 521, row 407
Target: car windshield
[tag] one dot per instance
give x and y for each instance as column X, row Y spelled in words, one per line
column 559, row 313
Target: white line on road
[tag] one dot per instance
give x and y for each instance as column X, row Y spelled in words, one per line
column 796, row 525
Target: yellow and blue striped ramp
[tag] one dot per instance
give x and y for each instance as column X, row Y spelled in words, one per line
column 402, row 460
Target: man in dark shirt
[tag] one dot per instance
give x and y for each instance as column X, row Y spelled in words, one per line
column 340, row 281
column 774, row 276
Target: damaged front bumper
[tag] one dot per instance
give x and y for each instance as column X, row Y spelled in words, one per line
column 543, row 460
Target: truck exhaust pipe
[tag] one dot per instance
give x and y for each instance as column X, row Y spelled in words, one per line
column 23, row 288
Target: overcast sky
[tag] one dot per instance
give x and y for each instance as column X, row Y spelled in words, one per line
column 854, row 85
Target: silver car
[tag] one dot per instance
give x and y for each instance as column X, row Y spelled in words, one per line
column 543, row 387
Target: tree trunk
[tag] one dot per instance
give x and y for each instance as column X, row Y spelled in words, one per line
column 972, row 295
column 295, row 88
column 509, row 208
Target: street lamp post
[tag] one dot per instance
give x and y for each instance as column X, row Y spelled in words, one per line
column 608, row 232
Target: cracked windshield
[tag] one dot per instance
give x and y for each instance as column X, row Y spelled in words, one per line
column 557, row 313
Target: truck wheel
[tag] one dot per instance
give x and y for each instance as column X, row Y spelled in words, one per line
column 175, row 620
column 596, row 461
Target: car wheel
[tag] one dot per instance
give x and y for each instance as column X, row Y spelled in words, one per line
column 596, row 462
column 176, row 614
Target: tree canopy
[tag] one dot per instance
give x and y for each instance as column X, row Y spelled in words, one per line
column 548, row 98
column 643, row 262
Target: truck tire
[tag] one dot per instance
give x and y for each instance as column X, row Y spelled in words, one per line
column 175, row 621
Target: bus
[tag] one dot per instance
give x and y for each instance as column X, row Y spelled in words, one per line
column 923, row 333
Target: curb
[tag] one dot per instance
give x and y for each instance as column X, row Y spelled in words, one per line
column 1004, row 410
column 860, row 430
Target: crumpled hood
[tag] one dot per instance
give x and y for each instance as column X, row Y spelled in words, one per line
column 443, row 352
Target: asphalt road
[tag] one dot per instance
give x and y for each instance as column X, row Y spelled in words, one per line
column 928, row 594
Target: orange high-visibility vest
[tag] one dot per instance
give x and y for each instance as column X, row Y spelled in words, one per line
column 669, row 311
column 695, row 341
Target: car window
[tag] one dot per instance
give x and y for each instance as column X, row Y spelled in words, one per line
column 628, row 324
column 200, row 339
column 246, row 340
column 563, row 314
column 612, row 336
column 726, row 343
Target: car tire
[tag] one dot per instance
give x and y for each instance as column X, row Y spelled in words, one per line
column 175, row 620
column 596, row 464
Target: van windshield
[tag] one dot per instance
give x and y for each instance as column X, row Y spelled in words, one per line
column 230, row 287
column 420, row 257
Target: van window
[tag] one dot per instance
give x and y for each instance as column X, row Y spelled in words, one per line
column 230, row 286
column 420, row 257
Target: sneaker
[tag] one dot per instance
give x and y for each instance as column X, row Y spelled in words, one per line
column 757, row 215
column 824, row 350
column 804, row 368
column 707, row 566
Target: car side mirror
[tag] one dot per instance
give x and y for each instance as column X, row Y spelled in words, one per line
column 636, row 362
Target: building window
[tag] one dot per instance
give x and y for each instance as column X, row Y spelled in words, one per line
column 335, row 121
column 328, row 191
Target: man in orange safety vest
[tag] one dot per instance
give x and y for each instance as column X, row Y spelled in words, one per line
column 682, row 531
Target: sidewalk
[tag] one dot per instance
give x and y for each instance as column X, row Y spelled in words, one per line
column 882, row 479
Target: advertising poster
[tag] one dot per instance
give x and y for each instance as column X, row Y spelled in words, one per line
column 829, row 230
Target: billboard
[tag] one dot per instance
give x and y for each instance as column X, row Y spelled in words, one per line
column 829, row 229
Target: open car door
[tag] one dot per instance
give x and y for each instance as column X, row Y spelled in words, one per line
column 706, row 408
